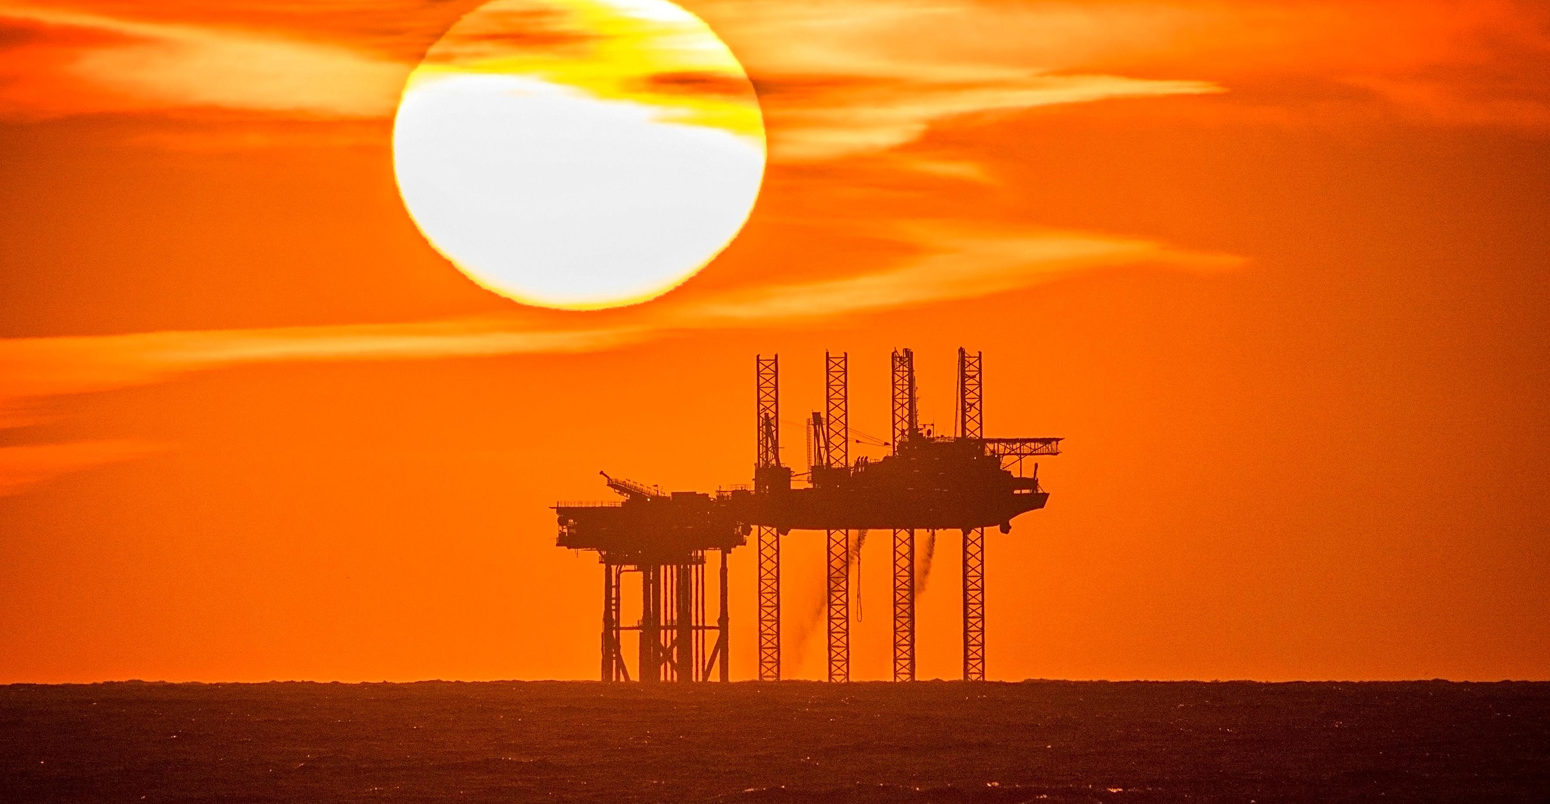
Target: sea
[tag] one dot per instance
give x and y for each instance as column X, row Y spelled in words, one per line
column 776, row 742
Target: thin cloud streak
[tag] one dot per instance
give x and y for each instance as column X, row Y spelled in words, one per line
column 23, row 468
column 155, row 66
column 865, row 102
column 1441, row 62
column 36, row 367
column 869, row 118
column 868, row 76
column 956, row 265
column 953, row 264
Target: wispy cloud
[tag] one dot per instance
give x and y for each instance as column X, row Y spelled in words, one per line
column 23, row 468
column 82, row 63
column 35, row 367
column 829, row 90
column 869, row 76
column 951, row 263
column 609, row 50
column 1437, row 61
column 848, row 118
column 955, row 263
column 838, row 79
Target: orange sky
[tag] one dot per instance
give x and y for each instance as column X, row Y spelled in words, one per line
column 1276, row 270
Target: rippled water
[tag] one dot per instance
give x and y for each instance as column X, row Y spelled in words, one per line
column 794, row 741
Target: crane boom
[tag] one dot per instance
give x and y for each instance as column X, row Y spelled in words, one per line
column 1020, row 447
column 630, row 489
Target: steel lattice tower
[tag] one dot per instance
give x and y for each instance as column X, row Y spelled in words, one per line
column 768, row 456
column 905, row 426
column 836, row 454
column 971, row 424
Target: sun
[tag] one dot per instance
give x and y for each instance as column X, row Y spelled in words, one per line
column 579, row 154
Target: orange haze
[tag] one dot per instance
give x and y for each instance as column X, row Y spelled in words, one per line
column 1276, row 269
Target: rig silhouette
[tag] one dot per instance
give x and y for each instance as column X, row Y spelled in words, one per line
column 964, row 481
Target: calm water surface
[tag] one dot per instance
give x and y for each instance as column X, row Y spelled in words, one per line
column 795, row 741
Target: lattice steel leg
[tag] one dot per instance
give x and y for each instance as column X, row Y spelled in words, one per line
column 974, row 605
column 904, row 605
column 839, row 605
column 769, row 604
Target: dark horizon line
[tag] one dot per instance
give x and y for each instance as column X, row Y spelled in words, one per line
column 784, row 681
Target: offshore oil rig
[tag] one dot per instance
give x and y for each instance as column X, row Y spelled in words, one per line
column 963, row 482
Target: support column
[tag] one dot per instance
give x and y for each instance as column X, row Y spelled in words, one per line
column 769, row 604
column 839, row 605
column 702, row 658
column 768, row 475
column 650, row 624
column 974, row 605
column 904, row 605
column 621, row 669
column 723, row 623
column 971, row 424
column 684, row 621
column 906, row 428
column 610, row 623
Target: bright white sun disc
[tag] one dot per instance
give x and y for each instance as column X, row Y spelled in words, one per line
column 598, row 162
